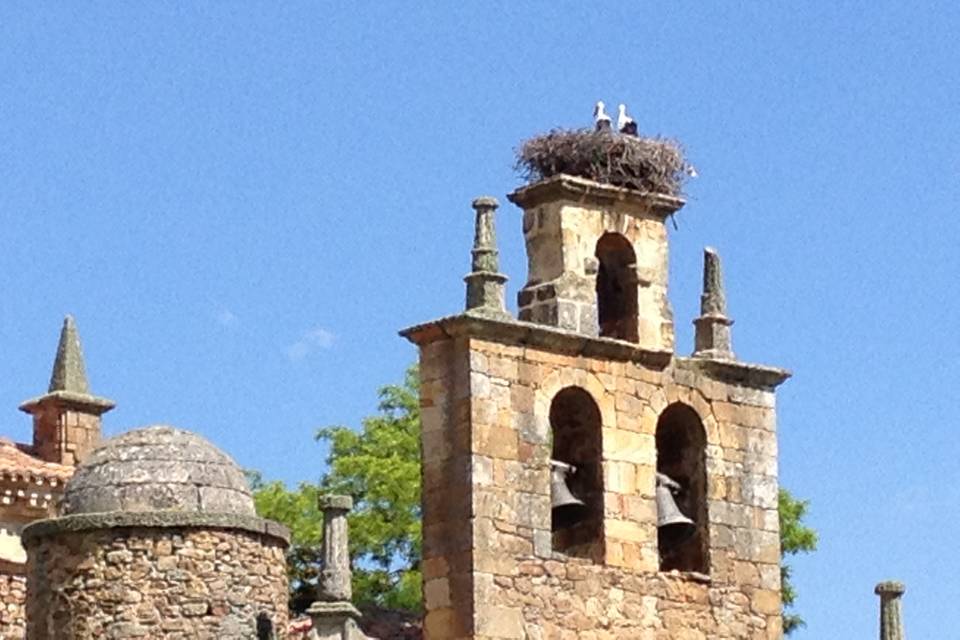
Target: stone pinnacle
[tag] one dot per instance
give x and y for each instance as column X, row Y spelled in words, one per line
column 712, row 338
column 485, row 284
column 69, row 373
column 891, row 621
column 713, row 301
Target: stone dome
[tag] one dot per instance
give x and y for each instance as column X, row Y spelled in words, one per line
column 158, row 468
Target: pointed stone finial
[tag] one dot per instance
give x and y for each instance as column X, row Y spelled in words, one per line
column 69, row 373
column 713, row 301
column 712, row 338
column 485, row 283
column 66, row 420
column 891, row 621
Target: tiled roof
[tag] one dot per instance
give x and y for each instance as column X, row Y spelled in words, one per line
column 16, row 464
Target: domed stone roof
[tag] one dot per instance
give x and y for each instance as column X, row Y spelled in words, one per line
column 158, row 468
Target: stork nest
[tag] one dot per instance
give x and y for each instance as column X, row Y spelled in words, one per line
column 645, row 164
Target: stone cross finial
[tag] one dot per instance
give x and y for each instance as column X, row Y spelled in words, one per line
column 69, row 374
column 712, row 339
column 891, row 622
column 485, row 284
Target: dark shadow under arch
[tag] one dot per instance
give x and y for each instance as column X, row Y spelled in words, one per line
column 681, row 455
column 617, row 310
column 575, row 424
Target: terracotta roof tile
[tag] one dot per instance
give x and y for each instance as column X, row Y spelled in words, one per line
column 15, row 463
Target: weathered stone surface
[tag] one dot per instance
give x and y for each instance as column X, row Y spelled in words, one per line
column 156, row 583
column 155, row 469
column 335, row 577
column 565, row 219
column 157, row 519
column 13, row 593
column 490, row 566
column 891, row 618
column 485, row 284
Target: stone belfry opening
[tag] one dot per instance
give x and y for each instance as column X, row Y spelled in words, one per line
column 597, row 260
column 681, row 456
column 616, row 287
column 580, row 476
column 575, row 427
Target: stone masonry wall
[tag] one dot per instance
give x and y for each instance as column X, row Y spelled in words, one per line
column 155, row 583
column 13, row 592
column 64, row 435
column 486, row 435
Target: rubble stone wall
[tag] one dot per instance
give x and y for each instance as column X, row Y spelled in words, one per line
column 486, row 435
column 222, row 584
column 13, row 593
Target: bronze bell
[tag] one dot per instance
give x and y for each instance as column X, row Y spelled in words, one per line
column 673, row 527
column 567, row 508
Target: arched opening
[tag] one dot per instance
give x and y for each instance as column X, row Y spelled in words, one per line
column 617, row 287
column 575, row 426
column 681, row 458
column 264, row 627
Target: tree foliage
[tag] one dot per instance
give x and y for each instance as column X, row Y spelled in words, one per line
column 795, row 537
column 297, row 509
column 379, row 467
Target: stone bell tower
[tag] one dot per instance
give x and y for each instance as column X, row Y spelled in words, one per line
column 584, row 395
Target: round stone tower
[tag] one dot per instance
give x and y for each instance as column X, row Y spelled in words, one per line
column 158, row 539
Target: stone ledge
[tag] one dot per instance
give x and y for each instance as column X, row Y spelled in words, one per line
column 520, row 333
column 95, row 404
column 576, row 189
column 756, row 376
column 334, row 501
column 153, row 519
column 12, row 567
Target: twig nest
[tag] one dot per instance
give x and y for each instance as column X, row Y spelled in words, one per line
column 645, row 164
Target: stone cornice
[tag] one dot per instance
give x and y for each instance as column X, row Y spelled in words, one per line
column 153, row 520
column 746, row 374
column 516, row 332
column 575, row 189
column 83, row 401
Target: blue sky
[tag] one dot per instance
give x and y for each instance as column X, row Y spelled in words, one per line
column 242, row 203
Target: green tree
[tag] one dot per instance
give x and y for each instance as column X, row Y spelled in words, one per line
column 795, row 537
column 297, row 509
column 379, row 466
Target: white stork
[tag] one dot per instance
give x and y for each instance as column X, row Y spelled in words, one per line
column 626, row 124
column 600, row 118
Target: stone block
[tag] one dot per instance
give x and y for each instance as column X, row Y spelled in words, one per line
column 496, row 441
column 629, row 446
